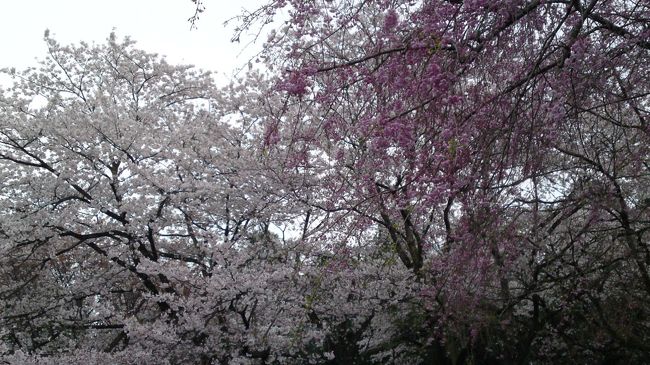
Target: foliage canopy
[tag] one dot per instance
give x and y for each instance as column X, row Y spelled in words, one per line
column 453, row 182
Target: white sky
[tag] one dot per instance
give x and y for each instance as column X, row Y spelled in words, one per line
column 158, row 26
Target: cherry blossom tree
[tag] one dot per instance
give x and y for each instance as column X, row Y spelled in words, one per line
column 498, row 148
column 136, row 217
column 453, row 182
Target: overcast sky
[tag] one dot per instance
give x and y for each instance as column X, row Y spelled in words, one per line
column 159, row 26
